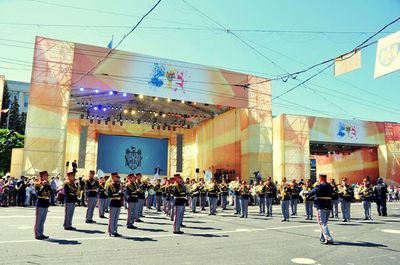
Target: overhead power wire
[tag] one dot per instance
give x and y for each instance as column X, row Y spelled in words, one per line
column 117, row 45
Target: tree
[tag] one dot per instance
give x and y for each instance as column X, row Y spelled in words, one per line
column 8, row 140
column 5, row 105
column 14, row 119
column 22, row 123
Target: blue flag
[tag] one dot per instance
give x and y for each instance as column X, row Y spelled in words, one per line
column 110, row 44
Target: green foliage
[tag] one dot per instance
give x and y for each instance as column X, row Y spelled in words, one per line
column 13, row 123
column 8, row 140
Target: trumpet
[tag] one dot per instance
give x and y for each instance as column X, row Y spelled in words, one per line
column 260, row 188
column 234, row 185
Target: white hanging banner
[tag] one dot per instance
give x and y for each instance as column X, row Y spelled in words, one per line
column 348, row 62
column 387, row 55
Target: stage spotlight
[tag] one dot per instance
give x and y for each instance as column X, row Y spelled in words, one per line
column 113, row 123
column 98, row 121
column 91, row 121
column 141, row 96
column 194, row 103
column 81, row 89
column 169, row 128
column 112, row 107
column 163, row 128
column 133, row 112
column 121, row 123
column 164, row 115
column 155, row 98
column 173, row 129
column 183, row 102
column 158, row 127
column 168, row 100
column 152, row 127
column 155, row 114
column 96, row 91
column 125, row 111
column 96, row 108
column 124, row 94
column 104, row 109
column 106, row 122
column 138, row 121
column 111, row 93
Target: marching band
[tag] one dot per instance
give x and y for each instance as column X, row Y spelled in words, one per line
column 172, row 195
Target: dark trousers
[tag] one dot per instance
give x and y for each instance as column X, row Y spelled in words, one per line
column 381, row 206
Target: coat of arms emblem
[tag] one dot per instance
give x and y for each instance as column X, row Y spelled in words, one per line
column 133, row 157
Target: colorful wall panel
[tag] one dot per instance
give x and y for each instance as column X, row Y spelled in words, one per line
column 355, row 166
column 46, row 125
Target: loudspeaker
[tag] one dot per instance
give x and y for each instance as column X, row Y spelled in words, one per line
column 82, row 146
column 197, row 170
column 179, row 152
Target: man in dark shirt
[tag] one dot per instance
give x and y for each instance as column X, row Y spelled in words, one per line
column 380, row 192
column 103, row 198
column 132, row 200
column 322, row 195
column 71, row 190
column 179, row 193
column 91, row 186
column 115, row 194
column 42, row 188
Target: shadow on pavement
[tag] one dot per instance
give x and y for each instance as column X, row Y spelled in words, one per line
column 155, row 223
column 139, row 239
column 206, row 235
column 88, row 231
column 348, row 224
column 151, row 229
column 203, row 228
column 63, row 241
column 360, row 244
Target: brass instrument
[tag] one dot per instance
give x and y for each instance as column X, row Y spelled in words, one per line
column 260, row 188
column 234, row 185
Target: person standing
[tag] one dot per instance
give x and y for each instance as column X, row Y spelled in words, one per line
column 103, row 198
column 113, row 187
column 157, row 172
column 335, row 199
column 194, row 195
column 235, row 185
column 270, row 195
column 91, row 186
column 158, row 195
column 380, row 192
column 308, row 203
column 132, row 200
column 322, row 195
column 203, row 195
column 294, row 197
column 141, row 195
column 54, row 187
column 179, row 193
column 244, row 199
column 366, row 193
column 224, row 191
column 285, row 192
column 212, row 192
column 346, row 195
column 71, row 190
column 43, row 189
column 260, row 191
column 20, row 188
column 74, row 167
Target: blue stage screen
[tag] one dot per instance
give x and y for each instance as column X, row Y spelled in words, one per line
column 127, row 154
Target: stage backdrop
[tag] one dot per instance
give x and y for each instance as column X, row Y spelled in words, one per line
column 126, row 154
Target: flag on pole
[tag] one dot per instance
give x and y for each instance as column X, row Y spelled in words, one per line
column 110, row 44
column 348, row 62
column 4, row 110
column 387, row 55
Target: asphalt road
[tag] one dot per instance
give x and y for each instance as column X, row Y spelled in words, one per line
column 221, row 239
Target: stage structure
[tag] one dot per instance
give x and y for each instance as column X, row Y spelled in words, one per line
column 340, row 148
column 212, row 118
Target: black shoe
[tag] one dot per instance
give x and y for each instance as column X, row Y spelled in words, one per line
column 142, row 216
column 331, row 216
column 284, row 220
column 241, row 216
column 115, row 235
column 344, row 221
column 139, row 221
column 307, row 218
column 102, row 216
column 69, row 228
column 42, row 237
column 178, row 232
column 292, row 214
column 183, row 225
column 90, row 222
column 131, row 227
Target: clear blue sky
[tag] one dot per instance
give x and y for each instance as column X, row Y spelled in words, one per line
column 354, row 95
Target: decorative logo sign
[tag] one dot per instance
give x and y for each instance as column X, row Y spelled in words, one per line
column 346, row 131
column 167, row 76
column 133, row 157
